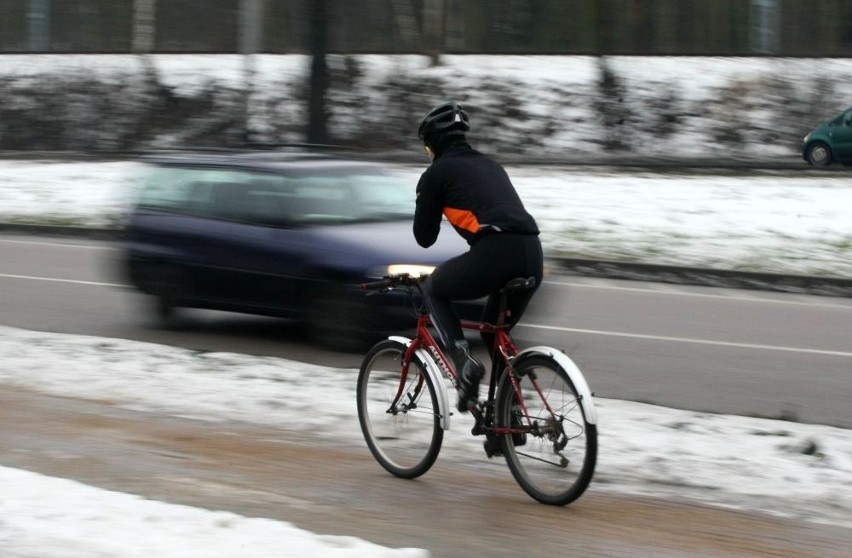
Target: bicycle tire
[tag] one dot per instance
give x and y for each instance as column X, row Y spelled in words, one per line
column 407, row 440
column 549, row 473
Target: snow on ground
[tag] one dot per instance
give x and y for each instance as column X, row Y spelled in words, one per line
column 801, row 471
column 45, row 517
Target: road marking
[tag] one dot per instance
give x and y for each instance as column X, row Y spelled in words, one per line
column 92, row 283
column 665, row 290
column 577, row 330
column 690, row 340
column 658, row 289
column 58, row 244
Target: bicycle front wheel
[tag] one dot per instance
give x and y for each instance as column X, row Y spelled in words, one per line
column 398, row 413
column 552, row 449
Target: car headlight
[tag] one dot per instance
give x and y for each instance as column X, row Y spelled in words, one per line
column 806, row 138
column 412, row 269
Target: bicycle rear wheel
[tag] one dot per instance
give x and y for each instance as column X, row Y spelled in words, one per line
column 399, row 416
column 553, row 449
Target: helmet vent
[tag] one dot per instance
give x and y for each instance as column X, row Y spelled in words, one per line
column 448, row 118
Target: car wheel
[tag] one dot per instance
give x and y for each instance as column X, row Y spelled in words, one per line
column 341, row 320
column 819, row 155
column 169, row 287
column 167, row 314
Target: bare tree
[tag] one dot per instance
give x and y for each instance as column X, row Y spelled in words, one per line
column 250, row 40
column 38, row 14
column 144, row 37
column 319, row 80
column 144, row 25
column 433, row 27
column 406, row 23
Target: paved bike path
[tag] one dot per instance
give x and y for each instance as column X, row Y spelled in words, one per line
column 339, row 489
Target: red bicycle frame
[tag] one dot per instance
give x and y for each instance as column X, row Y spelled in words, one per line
column 504, row 349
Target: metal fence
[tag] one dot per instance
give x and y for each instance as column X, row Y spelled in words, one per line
column 818, row 28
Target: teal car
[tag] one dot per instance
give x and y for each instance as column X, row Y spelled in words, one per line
column 830, row 141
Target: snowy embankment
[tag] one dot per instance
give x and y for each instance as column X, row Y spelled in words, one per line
column 766, row 222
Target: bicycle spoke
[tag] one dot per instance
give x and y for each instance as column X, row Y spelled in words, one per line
column 400, row 422
column 563, row 462
column 554, row 458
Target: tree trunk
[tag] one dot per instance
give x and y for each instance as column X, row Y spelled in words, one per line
column 317, row 117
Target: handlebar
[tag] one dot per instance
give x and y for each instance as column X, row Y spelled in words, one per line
column 373, row 286
column 393, row 281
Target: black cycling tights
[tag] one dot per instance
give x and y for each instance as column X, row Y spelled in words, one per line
column 491, row 262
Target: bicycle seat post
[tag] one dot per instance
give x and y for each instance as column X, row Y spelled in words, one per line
column 521, row 283
column 503, row 312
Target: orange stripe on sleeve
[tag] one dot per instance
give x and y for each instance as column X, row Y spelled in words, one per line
column 463, row 219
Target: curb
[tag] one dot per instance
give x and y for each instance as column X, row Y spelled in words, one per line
column 60, row 231
column 633, row 271
column 734, row 279
column 687, row 163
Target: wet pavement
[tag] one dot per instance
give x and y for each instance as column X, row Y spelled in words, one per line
column 337, row 488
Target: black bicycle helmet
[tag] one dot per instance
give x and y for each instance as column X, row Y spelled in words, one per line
column 446, row 118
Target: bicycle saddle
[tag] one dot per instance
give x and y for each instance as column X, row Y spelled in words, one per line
column 519, row 284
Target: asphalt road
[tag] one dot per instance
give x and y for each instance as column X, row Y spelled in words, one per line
column 731, row 351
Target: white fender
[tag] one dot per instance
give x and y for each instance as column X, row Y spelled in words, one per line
column 434, row 373
column 574, row 373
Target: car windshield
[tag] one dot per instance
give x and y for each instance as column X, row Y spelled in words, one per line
column 841, row 117
column 267, row 198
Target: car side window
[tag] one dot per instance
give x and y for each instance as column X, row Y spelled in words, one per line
column 268, row 201
column 272, row 199
column 344, row 198
column 252, row 198
column 227, row 194
column 320, row 198
column 167, row 188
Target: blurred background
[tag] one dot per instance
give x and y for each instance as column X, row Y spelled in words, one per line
column 655, row 27
column 118, row 92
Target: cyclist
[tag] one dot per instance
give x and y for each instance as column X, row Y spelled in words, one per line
column 477, row 197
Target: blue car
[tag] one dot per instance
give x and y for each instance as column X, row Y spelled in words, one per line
column 291, row 235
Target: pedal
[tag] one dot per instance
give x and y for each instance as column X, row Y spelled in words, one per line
column 492, row 447
column 480, row 415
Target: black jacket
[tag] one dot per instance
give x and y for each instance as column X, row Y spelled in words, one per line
column 475, row 194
